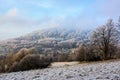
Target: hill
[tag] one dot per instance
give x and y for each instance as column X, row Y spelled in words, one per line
column 54, row 39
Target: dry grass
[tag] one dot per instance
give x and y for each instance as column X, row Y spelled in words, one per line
column 61, row 64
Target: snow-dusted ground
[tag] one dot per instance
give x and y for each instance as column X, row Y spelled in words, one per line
column 108, row 70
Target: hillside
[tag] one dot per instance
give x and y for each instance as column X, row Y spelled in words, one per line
column 108, row 70
column 54, row 39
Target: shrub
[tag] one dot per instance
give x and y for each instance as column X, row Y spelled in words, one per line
column 94, row 57
column 25, row 59
column 63, row 57
column 14, row 67
column 72, row 57
column 2, row 63
column 2, row 57
column 22, row 53
column 31, row 62
column 82, row 53
column 79, row 54
column 9, row 60
column 2, row 66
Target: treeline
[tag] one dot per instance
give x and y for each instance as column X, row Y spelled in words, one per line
column 103, row 43
column 99, row 44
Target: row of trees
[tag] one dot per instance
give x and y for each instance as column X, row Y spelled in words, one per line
column 100, row 44
column 103, row 42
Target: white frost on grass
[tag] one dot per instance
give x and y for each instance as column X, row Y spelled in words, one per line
column 109, row 70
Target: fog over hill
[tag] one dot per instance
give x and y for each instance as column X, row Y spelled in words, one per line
column 47, row 40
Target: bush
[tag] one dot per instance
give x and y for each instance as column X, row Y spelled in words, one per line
column 22, row 53
column 13, row 58
column 2, row 57
column 72, row 57
column 2, row 63
column 94, row 57
column 84, row 53
column 31, row 62
column 9, row 60
column 14, row 67
column 63, row 57
column 25, row 59
column 79, row 54
column 2, row 66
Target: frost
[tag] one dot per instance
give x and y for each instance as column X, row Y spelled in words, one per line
column 108, row 70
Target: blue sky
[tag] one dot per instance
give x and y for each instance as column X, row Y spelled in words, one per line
column 18, row 17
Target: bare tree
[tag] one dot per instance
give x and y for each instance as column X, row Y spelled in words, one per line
column 105, row 38
column 80, row 53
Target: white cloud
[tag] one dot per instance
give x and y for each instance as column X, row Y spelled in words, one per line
column 12, row 12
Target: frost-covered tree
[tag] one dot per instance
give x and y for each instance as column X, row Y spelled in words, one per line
column 106, row 38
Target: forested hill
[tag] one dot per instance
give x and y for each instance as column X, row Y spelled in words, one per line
column 54, row 39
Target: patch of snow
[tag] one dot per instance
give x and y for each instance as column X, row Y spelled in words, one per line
column 84, row 71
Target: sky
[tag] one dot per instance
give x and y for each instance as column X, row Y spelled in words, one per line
column 19, row 17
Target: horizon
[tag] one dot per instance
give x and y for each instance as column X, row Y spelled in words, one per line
column 25, row 16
